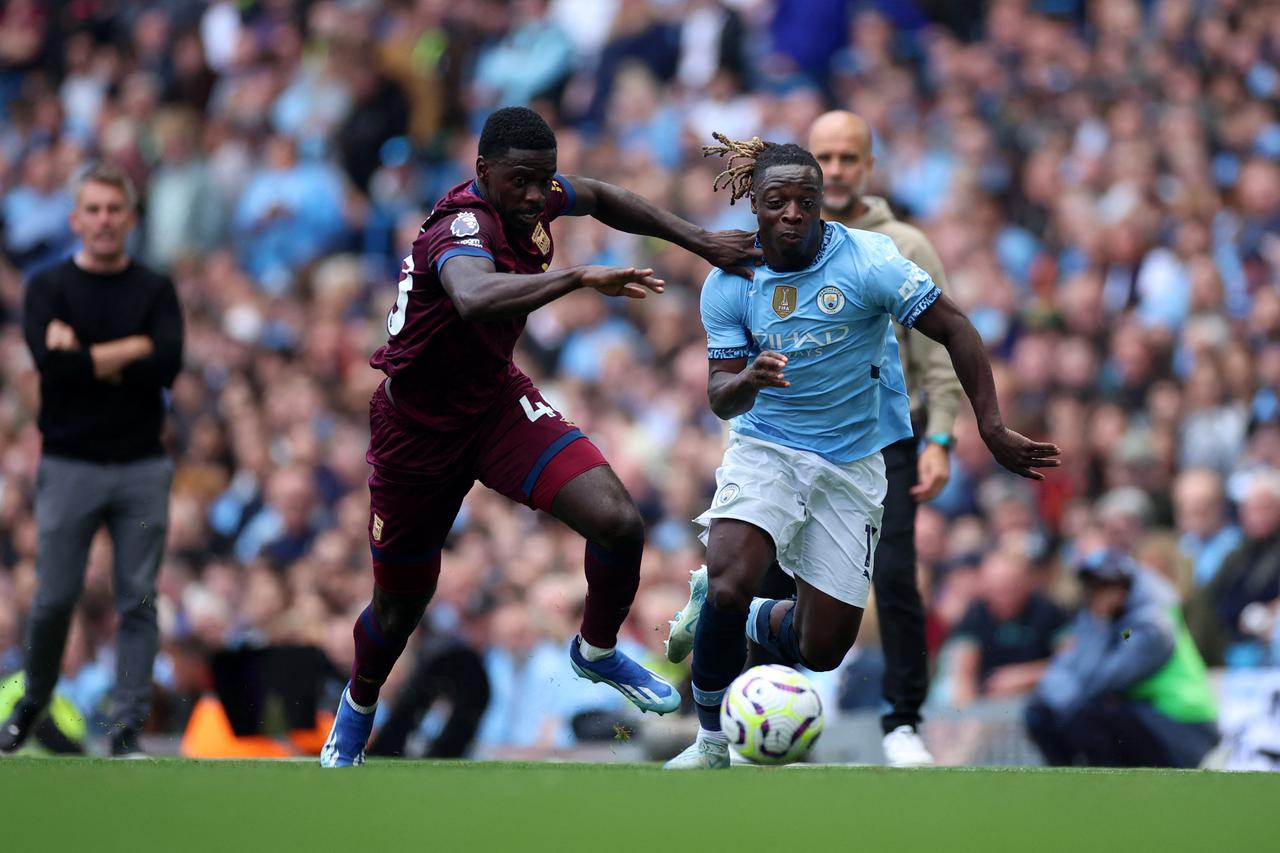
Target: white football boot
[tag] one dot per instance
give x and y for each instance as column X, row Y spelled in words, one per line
column 703, row 754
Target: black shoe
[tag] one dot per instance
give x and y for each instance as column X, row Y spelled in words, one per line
column 18, row 727
column 124, row 744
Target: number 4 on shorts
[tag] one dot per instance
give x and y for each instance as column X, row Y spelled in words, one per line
column 533, row 414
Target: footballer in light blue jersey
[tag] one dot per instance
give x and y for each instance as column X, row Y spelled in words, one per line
column 847, row 399
column 800, row 363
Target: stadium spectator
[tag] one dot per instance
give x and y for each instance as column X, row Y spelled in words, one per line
column 288, row 214
column 105, row 333
column 1003, row 644
column 1208, row 536
column 1249, row 574
column 35, row 212
column 186, row 208
column 1131, row 690
column 529, row 62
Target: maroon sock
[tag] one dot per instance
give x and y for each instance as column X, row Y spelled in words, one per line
column 376, row 653
column 612, row 579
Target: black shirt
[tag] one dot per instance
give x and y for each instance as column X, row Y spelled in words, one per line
column 83, row 417
column 1029, row 636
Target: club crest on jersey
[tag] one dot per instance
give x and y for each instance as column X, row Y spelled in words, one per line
column 830, row 300
column 727, row 493
column 465, row 224
column 541, row 239
column 784, row 300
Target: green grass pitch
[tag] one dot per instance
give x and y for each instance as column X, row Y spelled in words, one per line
column 99, row 805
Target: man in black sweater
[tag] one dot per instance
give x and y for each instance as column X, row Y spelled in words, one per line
column 106, row 335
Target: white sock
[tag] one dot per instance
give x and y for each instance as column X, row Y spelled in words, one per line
column 717, row 737
column 593, row 653
column 359, row 709
column 752, row 613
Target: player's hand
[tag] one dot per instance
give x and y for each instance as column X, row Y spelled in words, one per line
column 934, row 472
column 735, row 252
column 766, row 371
column 622, row 281
column 60, row 336
column 1020, row 454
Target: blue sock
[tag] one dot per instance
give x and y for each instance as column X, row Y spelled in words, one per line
column 719, row 651
column 788, row 643
column 785, row 645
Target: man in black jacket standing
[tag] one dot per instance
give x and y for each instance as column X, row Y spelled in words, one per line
column 106, row 335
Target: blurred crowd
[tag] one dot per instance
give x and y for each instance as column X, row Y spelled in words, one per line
column 1100, row 178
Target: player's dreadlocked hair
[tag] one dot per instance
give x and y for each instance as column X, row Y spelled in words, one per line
column 750, row 158
column 514, row 127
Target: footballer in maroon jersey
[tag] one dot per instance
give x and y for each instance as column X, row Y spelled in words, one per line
column 455, row 409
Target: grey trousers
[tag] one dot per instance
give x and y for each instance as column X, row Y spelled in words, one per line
column 74, row 499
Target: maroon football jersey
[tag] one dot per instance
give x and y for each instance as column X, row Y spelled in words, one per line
column 448, row 370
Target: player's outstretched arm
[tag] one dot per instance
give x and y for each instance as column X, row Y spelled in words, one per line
column 480, row 293
column 732, row 251
column 948, row 325
column 732, row 386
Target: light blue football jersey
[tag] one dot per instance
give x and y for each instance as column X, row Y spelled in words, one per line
column 832, row 320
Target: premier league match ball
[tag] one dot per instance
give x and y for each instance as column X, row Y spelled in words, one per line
column 772, row 715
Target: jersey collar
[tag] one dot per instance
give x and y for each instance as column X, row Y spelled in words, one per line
column 828, row 236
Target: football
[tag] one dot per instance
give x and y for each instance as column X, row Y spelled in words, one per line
column 772, row 715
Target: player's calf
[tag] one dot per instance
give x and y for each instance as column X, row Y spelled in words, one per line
column 381, row 632
column 827, row 628
column 595, row 504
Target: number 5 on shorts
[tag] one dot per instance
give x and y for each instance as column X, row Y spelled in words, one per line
column 534, row 413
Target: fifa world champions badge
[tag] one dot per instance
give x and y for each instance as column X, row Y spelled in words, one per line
column 465, row 224
column 784, row 300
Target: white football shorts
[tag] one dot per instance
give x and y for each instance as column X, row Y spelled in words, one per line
column 824, row 518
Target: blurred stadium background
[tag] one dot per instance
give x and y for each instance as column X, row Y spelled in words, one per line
column 1100, row 177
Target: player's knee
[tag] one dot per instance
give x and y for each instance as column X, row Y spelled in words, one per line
column 620, row 527
column 729, row 592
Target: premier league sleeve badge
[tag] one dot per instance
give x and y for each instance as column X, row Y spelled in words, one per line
column 465, row 224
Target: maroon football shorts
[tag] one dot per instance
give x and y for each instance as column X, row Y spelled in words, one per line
column 521, row 448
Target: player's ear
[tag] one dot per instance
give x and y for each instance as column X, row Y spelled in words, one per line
column 482, row 168
column 753, row 203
